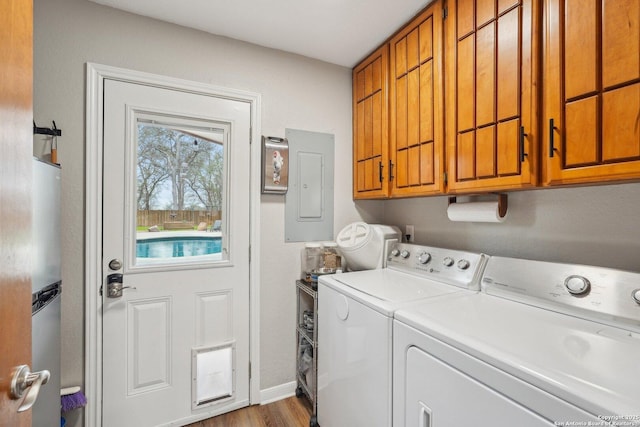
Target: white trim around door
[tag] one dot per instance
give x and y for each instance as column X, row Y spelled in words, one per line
column 96, row 75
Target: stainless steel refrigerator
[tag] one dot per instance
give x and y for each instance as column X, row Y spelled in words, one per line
column 46, row 290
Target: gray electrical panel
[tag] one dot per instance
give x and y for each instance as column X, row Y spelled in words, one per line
column 309, row 201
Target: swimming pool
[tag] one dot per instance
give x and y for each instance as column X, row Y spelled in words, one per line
column 178, row 247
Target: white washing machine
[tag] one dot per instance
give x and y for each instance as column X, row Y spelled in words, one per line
column 355, row 327
column 543, row 344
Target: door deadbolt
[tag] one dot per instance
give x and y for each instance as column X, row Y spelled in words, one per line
column 114, row 285
column 115, row 264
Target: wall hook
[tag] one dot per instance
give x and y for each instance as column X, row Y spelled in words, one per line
column 54, row 131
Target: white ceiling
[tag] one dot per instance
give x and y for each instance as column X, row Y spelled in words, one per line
column 337, row 31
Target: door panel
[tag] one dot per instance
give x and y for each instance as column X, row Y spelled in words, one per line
column 370, row 126
column 16, row 115
column 413, row 108
column 621, row 123
column 591, row 92
column 485, row 11
column 508, row 150
column 200, row 149
column 426, row 102
column 492, row 76
column 413, row 49
column 426, row 39
column 428, row 381
column 466, row 87
column 377, row 113
column 485, row 152
column 416, row 106
column 581, row 147
column 620, row 42
column 509, row 81
column 466, row 156
column 485, row 75
column 580, row 48
column 402, row 113
column 427, row 162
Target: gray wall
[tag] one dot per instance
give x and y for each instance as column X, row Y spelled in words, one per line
column 588, row 225
column 593, row 225
column 297, row 93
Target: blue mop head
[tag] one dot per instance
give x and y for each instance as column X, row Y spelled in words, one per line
column 72, row 398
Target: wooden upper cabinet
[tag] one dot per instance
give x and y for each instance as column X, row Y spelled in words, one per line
column 491, row 100
column 591, row 99
column 370, row 126
column 416, row 113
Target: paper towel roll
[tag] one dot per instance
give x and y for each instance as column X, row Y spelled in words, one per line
column 474, row 212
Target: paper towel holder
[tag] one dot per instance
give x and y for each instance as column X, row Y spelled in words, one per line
column 502, row 203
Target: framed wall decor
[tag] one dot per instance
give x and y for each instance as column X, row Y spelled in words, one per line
column 275, row 165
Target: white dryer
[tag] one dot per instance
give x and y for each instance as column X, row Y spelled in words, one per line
column 543, row 344
column 355, row 327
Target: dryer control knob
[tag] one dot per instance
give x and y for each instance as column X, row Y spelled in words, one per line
column 405, row 254
column 424, row 257
column 448, row 261
column 577, row 285
column 463, row 264
column 636, row 295
column 395, row 252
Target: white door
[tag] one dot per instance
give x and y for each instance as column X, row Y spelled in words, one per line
column 176, row 228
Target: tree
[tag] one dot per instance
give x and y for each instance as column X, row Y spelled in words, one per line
column 205, row 180
column 192, row 165
column 152, row 171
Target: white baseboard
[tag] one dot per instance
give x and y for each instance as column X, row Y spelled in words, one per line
column 278, row 392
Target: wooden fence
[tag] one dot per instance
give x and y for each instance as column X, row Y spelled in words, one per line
column 151, row 218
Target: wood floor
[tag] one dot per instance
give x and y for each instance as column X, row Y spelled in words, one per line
column 290, row 412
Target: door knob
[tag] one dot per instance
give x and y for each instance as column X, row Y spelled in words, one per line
column 24, row 379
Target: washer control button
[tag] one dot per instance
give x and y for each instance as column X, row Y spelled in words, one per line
column 636, row 295
column 577, row 285
column 448, row 261
column 405, row 254
column 463, row 264
column 424, row 257
column 395, row 252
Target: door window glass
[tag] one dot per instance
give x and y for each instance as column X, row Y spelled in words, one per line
column 179, row 191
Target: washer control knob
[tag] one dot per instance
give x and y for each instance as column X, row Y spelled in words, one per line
column 577, row 285
column 405, row 254
column 395, row 252
column 463, row 264
column 424, row 257
column 448, row 261
column 636, row 295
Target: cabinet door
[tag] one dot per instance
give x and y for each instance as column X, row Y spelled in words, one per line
column 592, row 91
column 370, row 126
column 416, row 116
column 491, row 97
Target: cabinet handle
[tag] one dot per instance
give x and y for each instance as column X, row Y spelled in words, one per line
column 390, row 171
column 522, row 153
column 380, row 167
column 551, row 130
